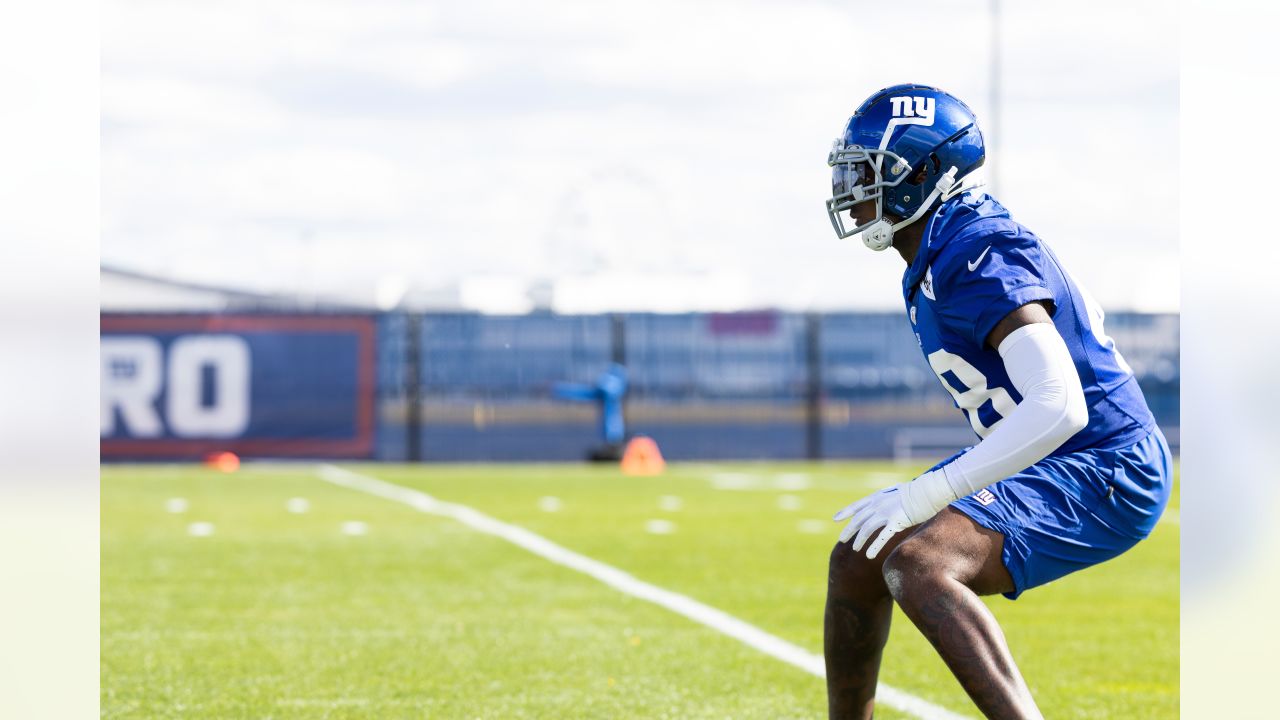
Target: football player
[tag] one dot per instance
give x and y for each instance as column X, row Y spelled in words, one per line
column 1070, row 469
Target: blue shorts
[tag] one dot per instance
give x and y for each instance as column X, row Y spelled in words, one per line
column 1068, row 512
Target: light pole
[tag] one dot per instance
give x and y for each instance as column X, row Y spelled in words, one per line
column 993, row 122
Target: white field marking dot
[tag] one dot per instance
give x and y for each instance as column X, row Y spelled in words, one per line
column 659, row 527
column 176, row 505
column 200, row 529
column 792, row 481
column 550, row 504
column 789, row 502
column 734, row 481
column 812, row 527
column 354, row 527
column 297, row 506
column 670, row 503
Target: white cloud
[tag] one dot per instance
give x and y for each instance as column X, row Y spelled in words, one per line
column 335, row 142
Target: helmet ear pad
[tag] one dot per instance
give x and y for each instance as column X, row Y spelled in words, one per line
column 924, row 174
column 931, row 168
column 922, row 180
column 922, row 149
column 964, row 149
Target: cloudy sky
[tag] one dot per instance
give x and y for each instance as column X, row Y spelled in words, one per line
column 336, row 147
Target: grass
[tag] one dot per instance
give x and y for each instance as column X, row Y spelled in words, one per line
column 282, row 615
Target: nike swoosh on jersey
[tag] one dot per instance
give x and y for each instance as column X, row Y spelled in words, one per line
column 975, row 263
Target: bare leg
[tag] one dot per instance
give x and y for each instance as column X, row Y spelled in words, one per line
column 855, row 628
column 936, row 577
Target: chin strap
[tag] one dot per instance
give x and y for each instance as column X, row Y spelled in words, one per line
column 880, row 235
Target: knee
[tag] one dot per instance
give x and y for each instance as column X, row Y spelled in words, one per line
column 851, row 574
column 910, row 568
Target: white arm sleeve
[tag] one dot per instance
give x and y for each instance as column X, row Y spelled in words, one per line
column 1052, row 410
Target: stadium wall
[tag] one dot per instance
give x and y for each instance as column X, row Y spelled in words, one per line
column 465, row 387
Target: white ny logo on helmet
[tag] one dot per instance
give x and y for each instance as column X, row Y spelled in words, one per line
column 918, row 109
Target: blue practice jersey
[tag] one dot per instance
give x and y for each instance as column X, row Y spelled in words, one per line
column 975, row 266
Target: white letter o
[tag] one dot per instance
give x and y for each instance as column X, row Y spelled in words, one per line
column 228, row 415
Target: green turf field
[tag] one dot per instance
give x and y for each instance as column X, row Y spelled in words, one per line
column 279, row 614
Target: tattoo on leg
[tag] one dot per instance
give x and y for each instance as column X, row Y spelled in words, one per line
column 855, row 635
column 967, row 637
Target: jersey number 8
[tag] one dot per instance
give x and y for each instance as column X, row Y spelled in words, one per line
column 977, row 393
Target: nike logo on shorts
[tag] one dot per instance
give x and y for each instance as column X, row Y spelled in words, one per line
column 975, row 263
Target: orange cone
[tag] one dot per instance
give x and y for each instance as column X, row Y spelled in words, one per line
column 642, row 457
column 227, row 462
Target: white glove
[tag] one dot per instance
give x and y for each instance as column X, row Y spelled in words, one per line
column 882, row 510
column 894, row 509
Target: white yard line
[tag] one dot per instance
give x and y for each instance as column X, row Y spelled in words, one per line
column 613, row 577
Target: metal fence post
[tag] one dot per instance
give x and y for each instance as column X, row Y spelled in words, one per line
column 813, row 394
column 618, row 338
column 413, row 385
column 618, row 354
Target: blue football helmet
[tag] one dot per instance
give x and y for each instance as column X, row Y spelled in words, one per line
column 906, row 149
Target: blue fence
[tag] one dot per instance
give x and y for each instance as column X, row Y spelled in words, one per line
column 464, row 387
